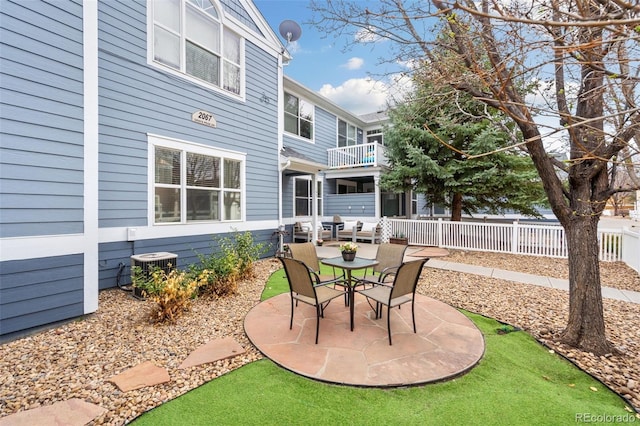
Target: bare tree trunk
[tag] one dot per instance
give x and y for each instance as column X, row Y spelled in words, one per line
column 456, row 207
column 585, row 328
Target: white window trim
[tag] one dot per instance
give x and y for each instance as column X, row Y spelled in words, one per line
column 310, row 198
column 182, row 145
column 293, row 135
column 338, row 120
column 151, row 62
column 374, row 132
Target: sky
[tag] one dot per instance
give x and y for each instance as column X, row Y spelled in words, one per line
column 353, row 79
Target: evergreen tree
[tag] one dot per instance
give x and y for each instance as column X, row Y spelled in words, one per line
column 438, row 144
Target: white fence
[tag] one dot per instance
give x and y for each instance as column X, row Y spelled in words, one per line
column 631, row 249
column 515, row 238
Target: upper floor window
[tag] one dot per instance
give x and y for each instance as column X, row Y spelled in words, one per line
column 375, row 136
column 189, row 38
column 194, row 183
column 346, row 134
column 298, row 116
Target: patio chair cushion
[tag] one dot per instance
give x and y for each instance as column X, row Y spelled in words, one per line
column 306, row 226
column 348, row 225
column 368, row 227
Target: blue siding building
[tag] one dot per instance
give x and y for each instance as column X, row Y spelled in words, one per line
column 128, row 127
column 141, row 126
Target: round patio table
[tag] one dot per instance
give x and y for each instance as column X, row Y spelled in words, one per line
column 348, row 266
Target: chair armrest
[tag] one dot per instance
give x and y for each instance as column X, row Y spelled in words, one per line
column 315, row 276
column 390, row 270
column 385, row 284
column 387, row 272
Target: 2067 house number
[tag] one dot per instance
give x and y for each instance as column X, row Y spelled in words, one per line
column 203, row 117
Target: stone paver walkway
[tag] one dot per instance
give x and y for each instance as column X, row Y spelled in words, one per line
column 76, row 412
column 71, row 412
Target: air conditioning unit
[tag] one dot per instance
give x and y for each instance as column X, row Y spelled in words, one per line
column 147, row 262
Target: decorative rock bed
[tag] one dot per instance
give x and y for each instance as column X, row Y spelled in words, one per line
column 75, row 360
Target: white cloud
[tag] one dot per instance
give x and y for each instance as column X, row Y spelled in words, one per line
column 365, row 95
column 294, row 47
column 367, row 35
column 401, row 85
column 354, row 63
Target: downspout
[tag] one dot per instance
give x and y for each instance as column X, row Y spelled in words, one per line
column 281, row 168
column 377, row 195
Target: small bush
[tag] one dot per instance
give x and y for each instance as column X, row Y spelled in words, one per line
column 223, row 272
column 172, row 292
column 230, row 262
column 248, row 252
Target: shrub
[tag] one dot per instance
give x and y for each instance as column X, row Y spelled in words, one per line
column 248, row 252
column 230, row 262
column 172, row 292
column 222, row 272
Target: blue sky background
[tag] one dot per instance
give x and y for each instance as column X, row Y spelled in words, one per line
column 353, row 79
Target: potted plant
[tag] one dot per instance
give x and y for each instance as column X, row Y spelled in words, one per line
column 348, row 250
column 320, row 241
column 399, row 238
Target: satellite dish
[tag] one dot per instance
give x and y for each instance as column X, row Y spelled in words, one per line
column 290, row 30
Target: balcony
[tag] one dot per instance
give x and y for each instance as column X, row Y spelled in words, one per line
column 365, row 155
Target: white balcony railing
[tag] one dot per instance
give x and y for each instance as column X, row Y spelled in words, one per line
column 368, row 154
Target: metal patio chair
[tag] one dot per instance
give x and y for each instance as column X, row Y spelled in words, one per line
column 402, row 291
column 302, row 289
column 389, row 257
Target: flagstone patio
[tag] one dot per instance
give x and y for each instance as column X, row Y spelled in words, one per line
column 447, row 344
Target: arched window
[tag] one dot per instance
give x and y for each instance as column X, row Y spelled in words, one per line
column 189, row 37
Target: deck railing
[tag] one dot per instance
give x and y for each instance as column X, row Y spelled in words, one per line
column 368, row 154
column 515, row 238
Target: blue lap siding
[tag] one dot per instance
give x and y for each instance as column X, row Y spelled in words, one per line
column 44, row 168
column 36, row 292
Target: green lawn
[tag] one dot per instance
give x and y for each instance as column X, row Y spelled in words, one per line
column 517, row 382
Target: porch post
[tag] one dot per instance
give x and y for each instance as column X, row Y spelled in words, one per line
column 376, row 186
column 314, row 206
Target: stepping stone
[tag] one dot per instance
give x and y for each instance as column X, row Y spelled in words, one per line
column 213, row 351
column 68, row 413
column 140, row 376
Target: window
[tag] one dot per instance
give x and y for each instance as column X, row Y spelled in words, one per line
column 392, row 204
column 189, row 38
column 355, row 186
column 319, row 197
column 298, row 116
column 346, row 187
column 346, row 134
column 414, row 203
column 196, row 183
column 375, row 136
column 303, row 204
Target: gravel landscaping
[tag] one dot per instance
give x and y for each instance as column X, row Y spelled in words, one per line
column 75, row 360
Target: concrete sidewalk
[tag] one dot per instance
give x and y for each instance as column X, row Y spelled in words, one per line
column 330, row 249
